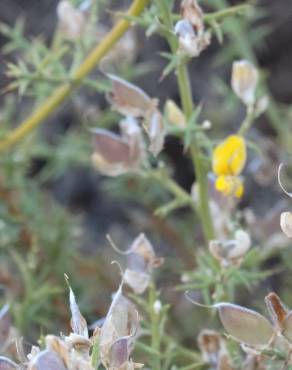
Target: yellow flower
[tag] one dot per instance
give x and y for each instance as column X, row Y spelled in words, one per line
column 229, row 157
column 230, row 185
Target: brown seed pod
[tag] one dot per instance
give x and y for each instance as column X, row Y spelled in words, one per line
column 128, row 99
column 245, row 325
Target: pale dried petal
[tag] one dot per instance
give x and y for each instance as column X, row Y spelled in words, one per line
column 242, row 245
column 231, row 251
column 128, row 99
column 142, row 247
column 120, row 322
column 78, row 342
column 47, row 360
column 156, row 132
column 71, row 20
column 7, row 364
column 191, row 11
column 132, row 134
column 119, row 353
column 190, row 43
column 286, row 223
column 5, row 324
column 138, row 281
column 245, row 325
column 78, row 322
column 184, row 28
column 57, row 345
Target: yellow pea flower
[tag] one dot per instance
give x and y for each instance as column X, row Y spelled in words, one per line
column 229, row 157
column 230, row 185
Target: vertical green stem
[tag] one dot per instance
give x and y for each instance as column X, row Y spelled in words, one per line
column 154, row 319
column 185, row 90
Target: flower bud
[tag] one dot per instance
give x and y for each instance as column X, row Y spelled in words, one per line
column 244, row 81
column 174, row 114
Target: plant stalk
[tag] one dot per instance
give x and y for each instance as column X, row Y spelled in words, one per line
column 185, row 90
column 66, row 89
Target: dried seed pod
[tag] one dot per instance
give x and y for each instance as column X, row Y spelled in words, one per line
column 7, row 364
column 5, row 324
column 286, row 223
column 128, row 99
column 245, row 325
column 276, row 308
column 47, row 360
column 115, row 155
column 111, row 153
column 244, row 81
column 120, row 324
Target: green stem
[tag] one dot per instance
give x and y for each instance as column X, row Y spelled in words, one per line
column 221, row 14
column 61, row 93
column 185, row 90
column 247, row 122
column 154, row 321
column 169, row 184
